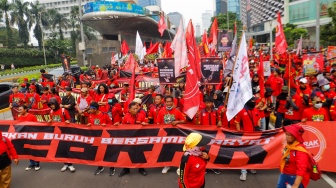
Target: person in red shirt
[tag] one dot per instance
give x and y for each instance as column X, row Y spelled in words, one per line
column 154, row 110
column 133, row 117
column 16, row 99
column 25, row 116
column 58, row 114
column 315, row 113
column 8, row 153
column 65, row 82
column 193, row 162
column 112, row 82
column 83, row 107
column 32, row 98
column 101, row 98
column 115, row 109
column 170, row 115
column 124, row 92
column 293, row 106
column 295, row 162
column 97, row 117
column 280, row 109
column 45, row 98
column 208, row 115
column 54, row 93
column 48, row 83
column 276, row 83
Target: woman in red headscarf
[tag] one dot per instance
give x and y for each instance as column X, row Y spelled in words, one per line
column 295, row 160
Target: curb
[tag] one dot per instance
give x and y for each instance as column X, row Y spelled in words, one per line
column 5, row 110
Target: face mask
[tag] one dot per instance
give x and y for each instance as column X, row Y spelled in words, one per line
column 326, row 87
column 318, row 106
column 169, row 108
column 110, row 101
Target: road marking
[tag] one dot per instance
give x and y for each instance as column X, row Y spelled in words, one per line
column 329, row 180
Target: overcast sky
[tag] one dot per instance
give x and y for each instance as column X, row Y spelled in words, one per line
column 190, row 9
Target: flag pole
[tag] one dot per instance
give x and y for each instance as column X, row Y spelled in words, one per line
column 289, row 74
column 230, row 80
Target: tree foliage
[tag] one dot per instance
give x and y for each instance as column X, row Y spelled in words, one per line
column 328, row 31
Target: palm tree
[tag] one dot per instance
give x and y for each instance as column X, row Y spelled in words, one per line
column 60, row 21
column 6, row 6
column 37, row 10
column 20, row 12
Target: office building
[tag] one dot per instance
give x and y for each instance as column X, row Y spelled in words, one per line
column 145, row 3
column 198, row 30
column 220, row 7
column 206, row 19
column 175, row 18
column 234, row 6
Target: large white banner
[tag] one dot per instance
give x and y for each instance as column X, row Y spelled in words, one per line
column 241, row 90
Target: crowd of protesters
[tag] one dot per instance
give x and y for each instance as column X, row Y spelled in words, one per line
column 290, row 98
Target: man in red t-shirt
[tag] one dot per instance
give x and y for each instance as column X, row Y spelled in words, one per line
column 25, row 116
column 315, row 113
column 208, row 115
column 293, row 105
column 16, row 99
column 97, row 117
column 124, row 92
column 32, row 98
column 115, row 109
column 170, row 115
column 155, row 109
column 45, row 98
column 133, row 117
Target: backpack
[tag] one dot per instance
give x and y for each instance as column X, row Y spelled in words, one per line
column 314, row 170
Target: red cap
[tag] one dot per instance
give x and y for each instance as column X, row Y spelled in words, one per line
column 93, row 67
column 23, row 85
column 32, row 87
column 25, row 79
column 295, row 130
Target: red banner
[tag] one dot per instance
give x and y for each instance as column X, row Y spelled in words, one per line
column 137, row 146
column 312, row 63
column 331, row 54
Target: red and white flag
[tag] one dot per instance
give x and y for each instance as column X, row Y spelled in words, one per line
column 241, row 90
column 179, row 47
column 131, row 61
column 261, row 75
column 162, row 25
column 299, row 47
column 280, row 39
column 191, row 96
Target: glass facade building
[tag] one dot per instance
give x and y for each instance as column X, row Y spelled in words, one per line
column 234, row 6
column 144, row 3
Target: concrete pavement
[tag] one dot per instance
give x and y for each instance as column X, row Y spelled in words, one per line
column 50, row 176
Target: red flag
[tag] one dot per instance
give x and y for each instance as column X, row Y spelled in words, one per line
column 167, row 50
column 162, row 25
column 205, row 43
column 261, row 75
column 191, row 96
column 124, row 48
column 235, row 28
column 153, row 49
column 129, row 65
column 280, row 39
column 133, row 64
column 213, row 34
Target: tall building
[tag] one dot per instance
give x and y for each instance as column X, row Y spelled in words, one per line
column 303, row 14
column 221, row 7
column 234, row 6
column 175, row 18
column 198, row 30
column 260, row 17
column 63, row 7
column 206, row 19
column 145, row 3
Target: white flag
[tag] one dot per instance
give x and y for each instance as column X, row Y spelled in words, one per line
column 140, row 50
column 241, row 90
column 179, row 47
column 299, row 47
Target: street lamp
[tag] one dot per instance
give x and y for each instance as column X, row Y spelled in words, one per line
column 44, row 53
column 270, row 19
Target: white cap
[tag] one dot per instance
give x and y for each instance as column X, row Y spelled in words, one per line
column 303, row 80
column 137, row 100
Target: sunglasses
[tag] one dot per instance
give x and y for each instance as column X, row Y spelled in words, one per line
column 318, row 102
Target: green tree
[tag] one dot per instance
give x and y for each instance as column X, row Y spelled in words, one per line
column 74, row 19
column 223, row 21
column 328, row 31
column 21, row 16
column 6, row 6
column 4, row 36
column 37, row 17
column 58, row 45
column 61, row 22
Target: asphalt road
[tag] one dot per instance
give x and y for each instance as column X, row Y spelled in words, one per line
column 50, row 176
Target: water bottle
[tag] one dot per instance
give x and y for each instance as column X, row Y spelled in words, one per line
column 288, row 185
